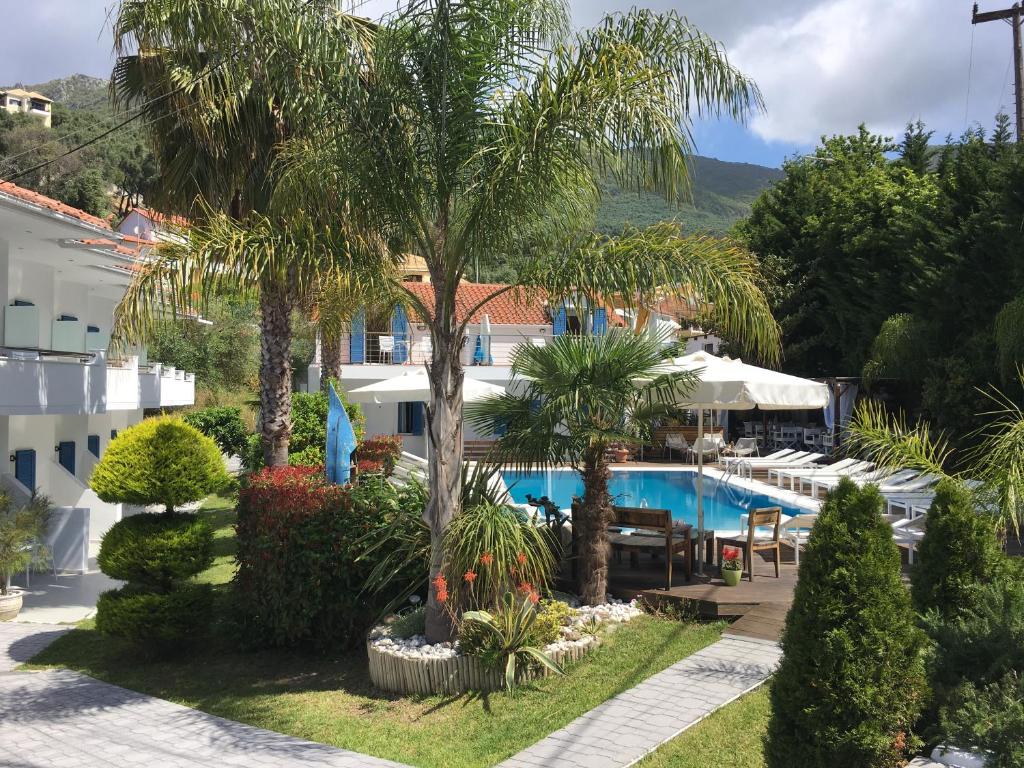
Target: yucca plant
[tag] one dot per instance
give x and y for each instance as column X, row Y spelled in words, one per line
column 509, row 629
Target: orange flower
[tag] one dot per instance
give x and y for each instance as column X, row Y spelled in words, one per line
column 526, row 587
column 533, row 597
column 486, row 558
column 470, row 576
column 439, row 582
column 442, row 595
column 521, row 557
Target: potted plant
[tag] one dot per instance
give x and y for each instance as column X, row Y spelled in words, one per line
column 21, row 531
column 732, row 566
column 620, row 453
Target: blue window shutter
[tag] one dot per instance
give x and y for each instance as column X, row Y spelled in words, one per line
column 402, row 427
column 559, row 322
column 93, row 443
column 66, row 455
column 599, row 325
column 21, row 303
column 92, row 328
column 66, row 317
column 25, row 468
column 417, row 419
column 357, row 337
column 400, row 330
column 113, row 434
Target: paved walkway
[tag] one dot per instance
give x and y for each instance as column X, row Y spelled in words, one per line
column 59, row 718
column 629, row 726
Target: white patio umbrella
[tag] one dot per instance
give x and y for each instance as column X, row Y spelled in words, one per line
column 414, row 386
column 732, row 385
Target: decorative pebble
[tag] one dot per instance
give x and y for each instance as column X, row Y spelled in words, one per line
column 573, row 636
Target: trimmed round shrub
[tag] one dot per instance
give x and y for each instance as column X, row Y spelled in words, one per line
column 851, row 683
column 161, row 460
column 959, row 551
column 156, row 550
column 163, row 621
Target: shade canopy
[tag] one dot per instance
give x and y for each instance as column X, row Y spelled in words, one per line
column 727, row 384
column 414, row 386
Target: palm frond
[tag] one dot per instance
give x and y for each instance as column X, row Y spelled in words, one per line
column 891, row 443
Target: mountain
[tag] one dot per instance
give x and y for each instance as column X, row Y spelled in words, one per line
column 76, row 92
column 721, row 195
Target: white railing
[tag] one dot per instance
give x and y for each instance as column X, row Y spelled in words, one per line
column 163, row 386
column 415, row 349
column 35, row 384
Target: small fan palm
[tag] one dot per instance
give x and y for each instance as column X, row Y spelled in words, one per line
column 584, row 393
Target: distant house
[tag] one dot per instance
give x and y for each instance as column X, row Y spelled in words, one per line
column 18, row 100
column 151, row 226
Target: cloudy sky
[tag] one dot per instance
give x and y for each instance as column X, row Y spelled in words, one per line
column 824, row 66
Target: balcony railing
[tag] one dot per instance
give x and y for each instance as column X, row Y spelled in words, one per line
column 391, row 349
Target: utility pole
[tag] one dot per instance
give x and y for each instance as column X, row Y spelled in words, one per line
column 1011, row 15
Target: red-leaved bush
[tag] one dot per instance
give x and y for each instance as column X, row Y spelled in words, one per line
column 300, row 540
column 385, row 449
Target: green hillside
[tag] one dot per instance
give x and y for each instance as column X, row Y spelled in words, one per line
column 76, row 92
column 721, row 195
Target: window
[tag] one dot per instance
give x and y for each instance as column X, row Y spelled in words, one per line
column 709, row 348
column 25, row 468
column 66, row 455
column 410, row 418
column 93, row 443
column 13, row 102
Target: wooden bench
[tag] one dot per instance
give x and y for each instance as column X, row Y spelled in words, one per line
column 476, row 450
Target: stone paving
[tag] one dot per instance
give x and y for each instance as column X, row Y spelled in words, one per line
column 58, row 719
column 629, row 726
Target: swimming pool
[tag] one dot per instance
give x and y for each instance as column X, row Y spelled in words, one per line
column 661, row 489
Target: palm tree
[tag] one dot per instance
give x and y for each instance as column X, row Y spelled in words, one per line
column 216, row 125
column 993, row 470
column 583, row 394
column 461, row 130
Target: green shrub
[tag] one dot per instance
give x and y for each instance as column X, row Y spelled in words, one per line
column 988, row 719
column 304, row 562
column 163, row 621
column 160, row 460
column 959, row 551
column 550, row 617
column 308, row 444
column 411, row 623
column 156, row 550
column 223, row 425
column 851, row 681
column 982, row 643
column 20, row 528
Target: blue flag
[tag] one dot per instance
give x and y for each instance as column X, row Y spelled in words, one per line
column 341, row 440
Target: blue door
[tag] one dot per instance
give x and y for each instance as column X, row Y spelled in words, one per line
column 25, row 468
column 93, row 445
column 66, row 455
column 357, row 338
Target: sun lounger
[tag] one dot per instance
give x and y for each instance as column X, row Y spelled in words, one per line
column 906, row 479
column 908, row 534
column 843, row 467
column 797, row 530
column 777, row 456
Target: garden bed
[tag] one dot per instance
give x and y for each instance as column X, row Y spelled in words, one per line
column 413, row 666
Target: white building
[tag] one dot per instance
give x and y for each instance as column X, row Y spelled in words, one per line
column 19, row 101
column 62, row 399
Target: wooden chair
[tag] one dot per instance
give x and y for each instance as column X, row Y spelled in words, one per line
column 752, row 542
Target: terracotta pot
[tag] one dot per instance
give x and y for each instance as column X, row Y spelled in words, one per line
column 10, row 604
column 621, row 455
column 732, row 578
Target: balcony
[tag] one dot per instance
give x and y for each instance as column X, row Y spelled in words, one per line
column 37, row 382
column 415, row 349
column 163, row 386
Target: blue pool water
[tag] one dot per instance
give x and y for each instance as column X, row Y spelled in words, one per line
column 677, row 491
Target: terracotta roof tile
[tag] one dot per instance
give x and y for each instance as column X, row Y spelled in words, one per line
column 515, row 307
column 159, row 218
column 42, row 201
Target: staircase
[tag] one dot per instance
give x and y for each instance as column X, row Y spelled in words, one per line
column 409, row 468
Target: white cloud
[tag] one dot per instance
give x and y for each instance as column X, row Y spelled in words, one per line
column 843, row 62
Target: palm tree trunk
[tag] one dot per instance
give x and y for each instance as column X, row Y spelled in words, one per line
column 444, row 433
column 330, row 360
column 276, row 302
column 592, row 529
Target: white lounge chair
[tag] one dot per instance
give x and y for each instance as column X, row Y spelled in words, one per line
column 745, row 446
column 908, row 534
column 839, row 469
column 776, row 456
column 883, row 478
column 778, row 472
column 710, row 447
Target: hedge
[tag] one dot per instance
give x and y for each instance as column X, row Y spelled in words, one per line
column 156, row 550
column 303, row 556
column 165, row 622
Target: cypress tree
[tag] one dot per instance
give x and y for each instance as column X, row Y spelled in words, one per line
column 851, row 681
column 959, row 551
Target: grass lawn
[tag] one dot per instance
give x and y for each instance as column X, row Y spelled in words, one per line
column 731, row 736
column 329, row 699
